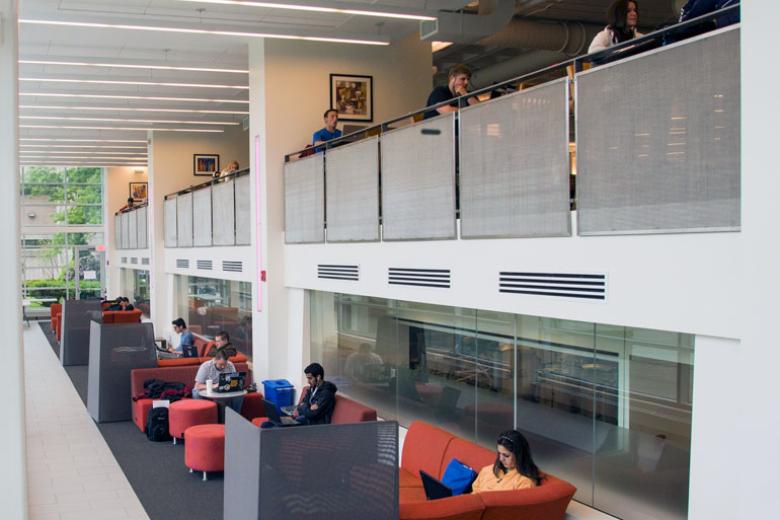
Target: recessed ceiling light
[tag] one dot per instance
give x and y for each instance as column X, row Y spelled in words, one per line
column 148, row 98
column 120, row 120
column 64, row 140
column 294, row 7
column 129, row 109
column 128, row 66
column 204, row 31
column 142, row 83
column 127, row 128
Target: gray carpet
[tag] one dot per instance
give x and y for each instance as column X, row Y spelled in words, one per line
column 155, row 469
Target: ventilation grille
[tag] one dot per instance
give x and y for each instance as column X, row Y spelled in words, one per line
column 124, row 259
column 144, row 261
column 419, row 277
column 233, row 266
column 134, row 260
column 204, row 265
column 338, row 272
column 566, row 285
column 182, row 263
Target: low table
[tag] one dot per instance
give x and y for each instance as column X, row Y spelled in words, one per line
column 221, row 398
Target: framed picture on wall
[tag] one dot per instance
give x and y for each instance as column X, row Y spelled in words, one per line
column 139, row 191
column 352, row 97
column 206, row 164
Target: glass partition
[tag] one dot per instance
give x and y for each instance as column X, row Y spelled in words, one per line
column 135, row 286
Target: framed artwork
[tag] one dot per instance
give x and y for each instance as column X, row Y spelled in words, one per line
column 206, row 164
column 139, row 191
column 352, row 97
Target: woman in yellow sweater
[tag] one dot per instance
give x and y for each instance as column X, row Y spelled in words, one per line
column 514, row 468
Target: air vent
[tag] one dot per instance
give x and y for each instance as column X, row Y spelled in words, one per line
column 204, row 265
column 419, row 277
column 124, row 259
column 232, row 266
column 338, row 272
column 182, row 263
column 565, row 285
column 134, row 260
column 144, row 261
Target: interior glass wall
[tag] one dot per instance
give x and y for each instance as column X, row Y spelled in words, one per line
column 209, row 306
column 135, row 285
column 605, row 407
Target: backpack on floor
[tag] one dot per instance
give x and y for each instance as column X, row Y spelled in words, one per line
column 157, row 425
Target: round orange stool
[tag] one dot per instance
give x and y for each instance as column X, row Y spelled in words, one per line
column 205, row 448
column 190, row 412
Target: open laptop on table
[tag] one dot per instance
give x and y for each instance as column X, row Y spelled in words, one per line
column 231, row 382
column 273, row 416
column 434, row 488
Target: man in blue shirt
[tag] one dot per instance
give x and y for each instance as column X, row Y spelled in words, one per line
column 186, row 338
column 331, row 118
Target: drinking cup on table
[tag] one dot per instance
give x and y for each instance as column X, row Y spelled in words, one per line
column 209, row 386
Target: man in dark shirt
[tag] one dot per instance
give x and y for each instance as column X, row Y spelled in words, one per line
column 331, row 118
column 316, row 406
column 458, row 80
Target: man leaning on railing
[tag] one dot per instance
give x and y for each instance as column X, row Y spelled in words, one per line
column 458, row 81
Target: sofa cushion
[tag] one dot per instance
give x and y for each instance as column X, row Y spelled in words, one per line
column 349, row 411
column 468, row 453
column 408, row 479
column 548, row 501
column 424, row 448
column 141, row 409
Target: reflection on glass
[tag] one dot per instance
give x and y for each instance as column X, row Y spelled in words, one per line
column 605, row 407
column 135, row 285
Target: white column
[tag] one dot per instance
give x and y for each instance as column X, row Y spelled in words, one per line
column 13, row 477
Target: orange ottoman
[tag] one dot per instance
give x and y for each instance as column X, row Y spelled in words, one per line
column 205, row 448
column 190, row 412
column 257, row 421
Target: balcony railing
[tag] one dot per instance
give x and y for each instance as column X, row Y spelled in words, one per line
column 131, row 229
column 654, row 124
column 215, row 213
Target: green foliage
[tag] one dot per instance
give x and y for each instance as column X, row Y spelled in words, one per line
column 80, row 190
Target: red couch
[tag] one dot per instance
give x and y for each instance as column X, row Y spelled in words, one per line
column 204, row 347
column 431, row 449
column 133, row 316
column 345, row 411
column 253, row 402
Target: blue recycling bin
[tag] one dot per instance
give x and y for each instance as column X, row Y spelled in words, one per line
column 280, row 392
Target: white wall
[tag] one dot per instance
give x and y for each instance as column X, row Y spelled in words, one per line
column 13, row 477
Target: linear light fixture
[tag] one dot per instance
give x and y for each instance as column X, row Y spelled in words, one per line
column 127, row 128
column 295, row 7
column 120, row 120
column 65, row 140
column 92, row 158
column 147, row 98
column 82, row 146
column 87, row 152
column 141, row 83
column 203, row 31
column 130, row 109
column 127, row 66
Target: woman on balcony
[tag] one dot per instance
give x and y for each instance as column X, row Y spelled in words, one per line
column 623, row 18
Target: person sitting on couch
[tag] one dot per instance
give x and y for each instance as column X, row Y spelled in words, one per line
column 514, row 468
column 316, row 406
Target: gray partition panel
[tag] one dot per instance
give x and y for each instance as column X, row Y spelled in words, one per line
column 76, row 316
column 184, row 220
column 115, row 350
column 201, row 219
column 125, row 230
column 143, row 233
column 304, row 200
column 169, row 210
column 243, row 211
column 658, row 140
column 132, row 229
column 418, row 181
column 356, row 467
column 514, row 165
column 118, row 231
column 352, row 192
column 223, row 208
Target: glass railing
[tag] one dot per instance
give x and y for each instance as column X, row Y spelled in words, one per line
column 215, row 213
column 131, row 228
column 639, row 138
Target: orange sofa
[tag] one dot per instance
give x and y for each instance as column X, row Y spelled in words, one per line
column 431, row 449
column 204, row 347
column 133, row 316
column 345, row 411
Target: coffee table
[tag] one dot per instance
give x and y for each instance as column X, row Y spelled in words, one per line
column 221, row 398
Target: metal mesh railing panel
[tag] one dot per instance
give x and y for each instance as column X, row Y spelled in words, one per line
column 184, row 220
column 304, row 200
column 224, row 214
column 243, row 211
column 201, row 217
column 169, row 210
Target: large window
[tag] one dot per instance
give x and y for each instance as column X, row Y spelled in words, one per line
column 209, row 306
column 607, row 408
column 135, row 286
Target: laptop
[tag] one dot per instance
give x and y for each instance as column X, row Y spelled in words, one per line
column 273, row 416
column 434, row 488
column 230, row 382
column 189, row 351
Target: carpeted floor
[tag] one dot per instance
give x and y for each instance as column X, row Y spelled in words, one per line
column 155, row 469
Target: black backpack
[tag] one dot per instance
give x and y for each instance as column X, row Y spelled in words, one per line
column 157, row 425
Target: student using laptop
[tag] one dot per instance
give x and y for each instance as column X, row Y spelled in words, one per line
column 186, row 339
column 212, row 369
column 514, row 468
column 316, row 406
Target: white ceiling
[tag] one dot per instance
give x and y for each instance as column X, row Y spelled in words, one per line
column 131, row 47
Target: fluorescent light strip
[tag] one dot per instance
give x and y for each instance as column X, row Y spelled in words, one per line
column 120, row 120
column 128, row 109
column 203, row 31
column 65, row 140
column 82, row 146
column 146, row 98
column 86, row 152
column 293, row 7
column 126, row 66
column 70, row 158
column 142, row 83
column 127, row 128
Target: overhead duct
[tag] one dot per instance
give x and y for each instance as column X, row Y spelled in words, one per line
column 569, row 38
column 465, row 27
